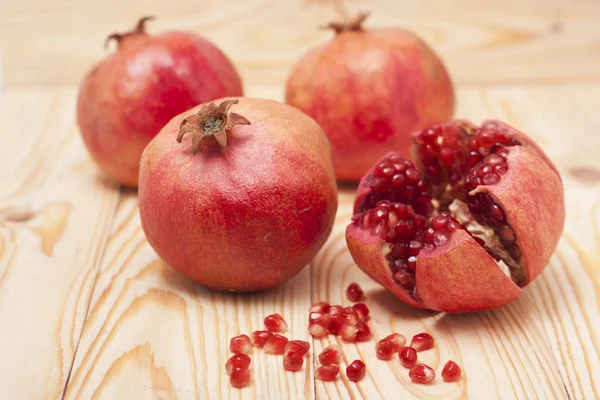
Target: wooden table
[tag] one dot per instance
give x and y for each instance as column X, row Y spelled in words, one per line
column 87, row 309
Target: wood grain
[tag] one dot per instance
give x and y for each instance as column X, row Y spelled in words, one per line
column 482, row 42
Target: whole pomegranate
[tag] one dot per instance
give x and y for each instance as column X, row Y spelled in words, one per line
column 369, row 90
column 125, row 99
column 466, row 228
column 238, row 201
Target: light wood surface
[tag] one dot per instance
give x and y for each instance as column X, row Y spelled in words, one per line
column 87, row 309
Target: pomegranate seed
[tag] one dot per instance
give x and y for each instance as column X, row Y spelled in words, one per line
column 240, row 344
column 407, row 356
column 348, row 332
column 330, row 355
column 275, row 323
column 240, row 377
column 363, row 332
column 297, row 346
column 259, row 338
column 362, row 310
column 384, row 349
column 237, row 361
column 318, row 317
column 422, row 341
column 317, row 330
column 356, row 371
column 336, row 319
column 327, row 373
column 451, row 372
column 351, row 315
column 397, row 339
column 292, row 361
column 354, row 292
column 421, row 374
column 276, row 345
column 321, row 307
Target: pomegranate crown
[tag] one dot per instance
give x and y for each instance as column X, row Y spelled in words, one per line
column 211, row 121
column 140, row 28
column 352, row 25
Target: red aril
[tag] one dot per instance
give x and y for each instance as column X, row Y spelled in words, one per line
column 240, row 377
column 319, row 317
column 354, row 292
column 126, row 98
column 356, row 370
column 297, row 346
column 275, row 323
column 237, row 361
column 336, row 319
column 320, row 307
column 317, row 330
column 276, row 345
column 259, row 338
column 421, row 373
column 363, row 332
column 330, row 355
column 327, row 373
column 240, row 344
column 451, row 372
column 407, row 356
column 351, row 315
column 292, row 361
column 348, row 332
column 362, row 310
column 384, row 349
column 397, row 339
column 275, row 175
column 422, row 341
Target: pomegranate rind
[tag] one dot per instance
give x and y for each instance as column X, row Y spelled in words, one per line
column 531, row 195
column 461, row 276
column 367, row 252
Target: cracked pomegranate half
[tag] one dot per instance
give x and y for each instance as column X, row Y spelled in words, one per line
column 474, row 220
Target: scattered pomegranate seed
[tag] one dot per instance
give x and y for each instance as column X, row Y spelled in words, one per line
column 327, row 373
column 330, row 355
column 276, row 345
column 237, row 361
column 317, row 330
column 336, row 319
column 240, row 344
column 408, row 357
column 397, row 339
column 275, row 323
column 292, row 361
column 351, row 315
column 354, row 292
column 422, row 341
column 356, row 371
column 384, row 349
column 363, row 332
column 318, row 317
column 451, row 372
column 240, row 377
column 321, row 307
column 297, row 346
column 348, row 332
column 421, row 374
column 259, row 338
column 362, row 310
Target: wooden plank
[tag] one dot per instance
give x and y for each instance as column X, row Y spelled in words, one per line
column 55, row 215
column 481, row 42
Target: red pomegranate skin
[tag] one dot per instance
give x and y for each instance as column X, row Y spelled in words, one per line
column 126, row 98
column 246, row 217
column 369, row 89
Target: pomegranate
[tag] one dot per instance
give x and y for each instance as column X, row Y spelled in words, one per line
column 370, row 89
column 451, row 372
column 252, row 207
column 397, row 340
column 259, row 338
column 292, row 361
column 237, row 361
column 384, row 349
column 421, row 373
column 407, row 356
column 276, row 344
column 297, row 346
column 240, row 344
column 465, row 228
column 356, row 371
column 422, row 341
column 240, row 377
column 354, row 293
column 126, row 98
column 275, row 323
column 327, row 373
column 330, row 355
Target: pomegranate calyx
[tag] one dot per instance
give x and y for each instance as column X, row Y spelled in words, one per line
column 140, row 29
column 211, row 121
column 352, row 25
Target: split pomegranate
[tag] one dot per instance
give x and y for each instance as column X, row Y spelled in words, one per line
column 422, row 341
column 370, row 89
column 240, row 344
column 407, row 356
column 451, row 372
column 421, row 374
column 252, row 207
column 354, row 293
column 292, row 361
column 276, row 344
column 275, row 323
column 397, row 339
column 237, row 361
column 474, row 220
column 240, row 377
column 327, row 373
column 384, row 349
column 125, row 99
column 259, row 338
column 356, row 370
column 330, row 355
column 297, row 346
